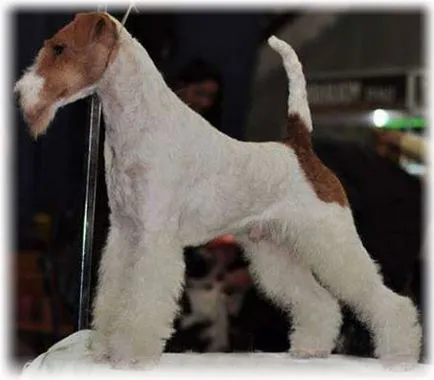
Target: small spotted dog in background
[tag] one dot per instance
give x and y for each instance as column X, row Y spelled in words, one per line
column 285, row 208
column 203, row 325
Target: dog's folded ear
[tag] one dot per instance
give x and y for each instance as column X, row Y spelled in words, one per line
column 91, row 27
column 99, row 27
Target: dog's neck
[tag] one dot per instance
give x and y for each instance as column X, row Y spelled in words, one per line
column 142, row 114
column 132, row 91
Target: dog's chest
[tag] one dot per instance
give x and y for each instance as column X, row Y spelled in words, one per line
column 127, row 181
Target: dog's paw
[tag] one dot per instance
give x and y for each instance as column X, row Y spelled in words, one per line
column 399, row 362
column 98, row 350
column 119, row 361
column 129, row 354
column 303, row 353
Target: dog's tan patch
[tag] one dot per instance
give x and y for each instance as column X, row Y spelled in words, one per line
column 84, row 49
column 324, row 182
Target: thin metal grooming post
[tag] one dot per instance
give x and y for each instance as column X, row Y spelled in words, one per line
column 89, row 212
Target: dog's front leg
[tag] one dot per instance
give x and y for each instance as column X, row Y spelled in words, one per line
column 151, row 289
column 111, row 274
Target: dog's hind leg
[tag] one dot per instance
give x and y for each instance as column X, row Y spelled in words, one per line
column 151, row 289
column 341, row 263
column 316, row 317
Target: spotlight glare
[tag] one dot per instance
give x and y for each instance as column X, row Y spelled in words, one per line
column 380, row 118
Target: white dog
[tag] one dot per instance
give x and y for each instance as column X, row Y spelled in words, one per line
column 173, row 181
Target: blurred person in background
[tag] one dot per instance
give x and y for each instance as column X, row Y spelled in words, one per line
column 199, row 84
column 397, row 144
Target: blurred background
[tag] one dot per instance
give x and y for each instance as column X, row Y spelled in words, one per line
column 366, row 85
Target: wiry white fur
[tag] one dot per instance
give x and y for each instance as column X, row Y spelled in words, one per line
column 30, row 86
column 173, row 180
column 289, row 282
column 297, row 98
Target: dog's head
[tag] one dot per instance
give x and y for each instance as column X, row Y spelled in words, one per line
column 67, row 68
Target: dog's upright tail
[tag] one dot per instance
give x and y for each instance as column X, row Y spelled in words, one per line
column 297, row 98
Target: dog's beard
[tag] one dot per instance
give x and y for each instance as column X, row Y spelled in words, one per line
column 39, row 124
column 41, row 117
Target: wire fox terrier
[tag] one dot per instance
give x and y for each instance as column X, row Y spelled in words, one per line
column 174, row 181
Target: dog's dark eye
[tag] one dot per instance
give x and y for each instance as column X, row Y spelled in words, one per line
column 58, row 49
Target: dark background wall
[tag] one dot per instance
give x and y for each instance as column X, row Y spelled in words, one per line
column 359, row 40
column 49, row 171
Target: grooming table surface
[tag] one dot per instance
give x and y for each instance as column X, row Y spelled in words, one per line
column 71, row 357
